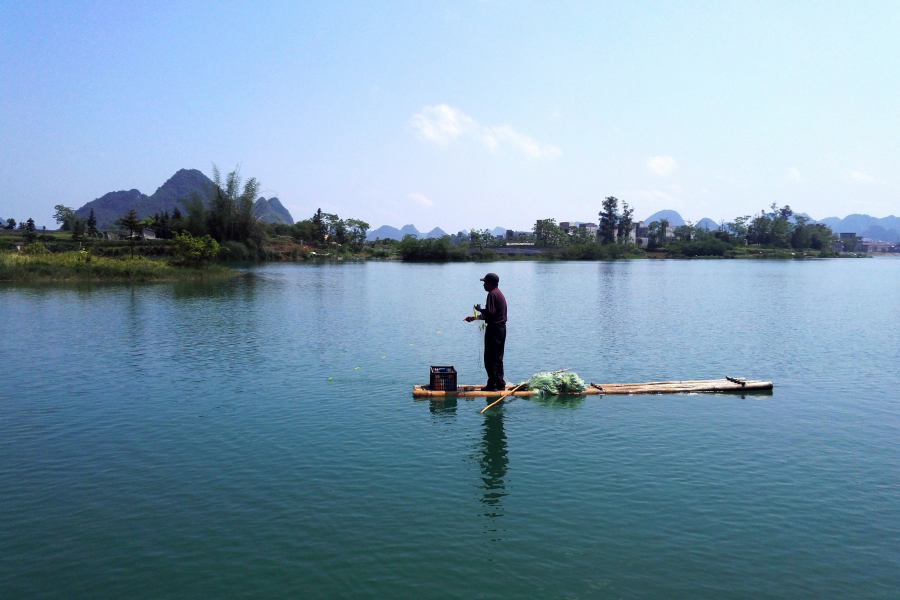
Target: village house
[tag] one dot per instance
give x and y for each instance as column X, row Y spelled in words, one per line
column 517, row 235
column 866, row 245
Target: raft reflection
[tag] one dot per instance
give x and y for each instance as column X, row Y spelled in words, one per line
column 445, row 408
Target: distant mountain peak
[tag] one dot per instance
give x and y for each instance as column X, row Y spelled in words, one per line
column 671, row 216
column 272, row 211
column 386, row 232
column 884, row 229
column 181, row 179
column 795, row 215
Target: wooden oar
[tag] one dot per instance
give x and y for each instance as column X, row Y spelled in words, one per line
column 513, row 391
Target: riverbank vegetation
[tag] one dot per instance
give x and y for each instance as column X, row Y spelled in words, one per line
column 222, row 226
column 473, row 246
column 38, row 265
column 776, row 233
column 595, row 251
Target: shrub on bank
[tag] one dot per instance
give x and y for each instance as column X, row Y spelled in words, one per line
column 441, row 250
column 595, row 251
column 707, row 247
column 35, row 248
column 430, row 249
column 190, row 250
column 234, row 251
column 485, row 254
column 299, row 254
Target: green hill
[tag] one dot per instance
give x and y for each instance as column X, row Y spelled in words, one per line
column 110, row 207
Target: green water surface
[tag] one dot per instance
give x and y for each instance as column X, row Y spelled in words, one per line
column 257, row 438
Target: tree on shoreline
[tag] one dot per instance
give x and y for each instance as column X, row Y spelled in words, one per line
column 319, row 229
column 78, row 230
column 92, row 224
column 231, row 217
column 479, row 239
column 130, row 222
column 548, row 233
column 323, row 229
column 228, row 214
column 30, row 231
column 65, row 216
column 609, row 220
column 626, row 222
column 356, row 233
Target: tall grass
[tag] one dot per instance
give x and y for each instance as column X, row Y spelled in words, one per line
column 80, row 266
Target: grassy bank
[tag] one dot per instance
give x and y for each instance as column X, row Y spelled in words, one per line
column 79, row 266
column 716, row 249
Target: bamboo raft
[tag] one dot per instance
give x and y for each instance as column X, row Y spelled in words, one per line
column 728, row 384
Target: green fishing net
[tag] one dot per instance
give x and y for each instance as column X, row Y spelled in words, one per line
column 554, row 384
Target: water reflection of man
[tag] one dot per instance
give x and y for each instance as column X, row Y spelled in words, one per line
column 494, row 314
column 493, row 462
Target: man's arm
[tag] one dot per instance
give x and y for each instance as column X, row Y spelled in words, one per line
column 490, row 309
column 479, row 317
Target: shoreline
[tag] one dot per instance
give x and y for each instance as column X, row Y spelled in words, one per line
column 75, row 267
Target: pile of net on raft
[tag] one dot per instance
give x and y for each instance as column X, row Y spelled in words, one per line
column 555, row 384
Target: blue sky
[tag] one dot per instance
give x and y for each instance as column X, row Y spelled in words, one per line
column 458, row 114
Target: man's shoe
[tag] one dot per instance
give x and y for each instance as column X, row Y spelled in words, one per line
column 489, row 388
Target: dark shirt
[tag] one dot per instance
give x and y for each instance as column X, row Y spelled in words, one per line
column 494, row 310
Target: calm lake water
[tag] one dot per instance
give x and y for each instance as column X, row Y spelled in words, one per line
column 257, row 438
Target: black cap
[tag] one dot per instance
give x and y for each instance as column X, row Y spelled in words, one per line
column 491, row 277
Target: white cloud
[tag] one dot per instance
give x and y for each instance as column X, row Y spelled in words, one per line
column 526, row 144
column 794, row 173
column 420, row 199
column 862, row 177
column 675, row 187
column 442, row 123
column 661, row 165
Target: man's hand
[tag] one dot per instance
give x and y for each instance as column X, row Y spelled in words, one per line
column 469, row 319
column 478, row 308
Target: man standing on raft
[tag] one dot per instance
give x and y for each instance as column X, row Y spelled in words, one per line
column 494, row 314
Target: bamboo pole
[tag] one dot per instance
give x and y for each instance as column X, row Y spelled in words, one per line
column 513, row 391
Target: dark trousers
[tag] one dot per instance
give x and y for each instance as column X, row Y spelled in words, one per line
column 494, row 342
